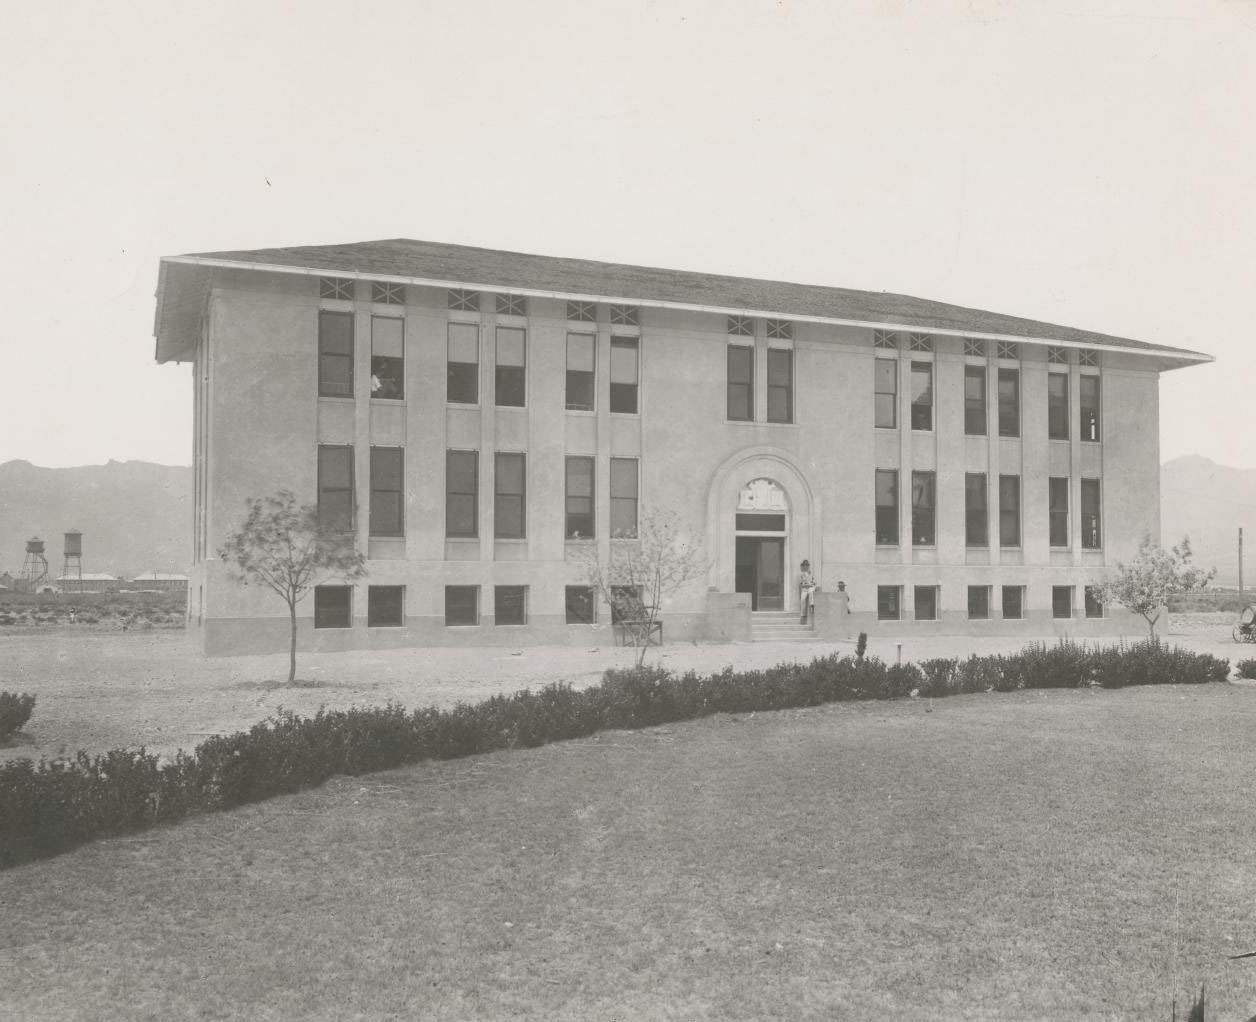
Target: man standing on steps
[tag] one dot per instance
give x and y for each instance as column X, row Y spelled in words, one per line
column 806, row 588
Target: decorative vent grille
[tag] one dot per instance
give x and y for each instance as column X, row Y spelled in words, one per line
column 780, row 328
column 333, row 287
column 741, row 326
column 512, row 305
column 464, row 301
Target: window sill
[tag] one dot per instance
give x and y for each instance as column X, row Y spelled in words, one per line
column 522, row 406
column 336, row 397
column 389, row 400
column 510, row 539
column 625, row 415
column 581, row 411
column 462, row 404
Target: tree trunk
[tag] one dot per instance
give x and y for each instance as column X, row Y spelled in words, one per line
column 292, row 649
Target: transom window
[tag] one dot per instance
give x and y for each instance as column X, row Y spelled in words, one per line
column 387, row 293
column 974, row 347
column 886, row 339
column 582, row 312
column 1006, row 349
column 741, row 326
column 335, row 287
column 781, row 329
column 1087, row 357
column 464, row 301
column 1057, row 356
column 625, row 315
column 919, row 342
column 512, row 305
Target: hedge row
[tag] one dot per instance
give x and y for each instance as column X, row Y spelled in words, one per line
column 48, row 807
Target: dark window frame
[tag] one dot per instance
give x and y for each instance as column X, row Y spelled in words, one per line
column 322, row 611
column 620, row 502
column 388, row 372
column 1009, row 511
column 374, row 612
column 986, row 600
column 1019, row 592
column 506, row 500
column 976, row 529
column 462, row 379
column 1094, row 606
column 328, row 517
column 589, row 513
column 581, row 384
column 922, row 410
column 381, row 495
column 1057, row 603
column 510, row 591
column 452, row 495
column 739, row 390
column 888, row 513
column 935, row 610
column 1009, row 403
column 575, row 596
column 782, row 392
column 326, row 357
column 880, row 406
column 510, row 382
column 924, row 508
column 1057, row 406
column 889, row 603
column 452, row 607
column 1057, row 512
column 1090, row 408
column 1092, row 514
column 624, row 396
column 976, row 415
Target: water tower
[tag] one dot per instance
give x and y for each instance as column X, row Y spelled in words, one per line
column 72, row 573
column 34, row 571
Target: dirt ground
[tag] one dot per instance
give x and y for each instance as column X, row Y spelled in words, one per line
column 97, row 691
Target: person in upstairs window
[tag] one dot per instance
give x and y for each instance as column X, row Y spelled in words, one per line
column 806, row 588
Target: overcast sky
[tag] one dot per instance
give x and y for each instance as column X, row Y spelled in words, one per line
column 1086, row 162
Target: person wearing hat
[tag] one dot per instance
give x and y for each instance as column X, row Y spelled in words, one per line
column 806, row 587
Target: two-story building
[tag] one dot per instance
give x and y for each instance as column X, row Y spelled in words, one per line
column 477, row 418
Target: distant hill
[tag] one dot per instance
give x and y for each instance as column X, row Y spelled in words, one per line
column 1209, row 502
column 134, row 515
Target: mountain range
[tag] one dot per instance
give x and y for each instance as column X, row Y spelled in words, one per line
column 137, row 516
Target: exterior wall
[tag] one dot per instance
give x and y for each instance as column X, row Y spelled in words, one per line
column 259, row 421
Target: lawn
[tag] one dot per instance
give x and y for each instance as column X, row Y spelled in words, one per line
column 1038, row 855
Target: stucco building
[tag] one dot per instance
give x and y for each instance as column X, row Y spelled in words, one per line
column 475, row 416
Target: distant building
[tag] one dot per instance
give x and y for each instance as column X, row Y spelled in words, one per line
column 89, row 582
column 161, row 580
column 6, row 581
column 480, row 419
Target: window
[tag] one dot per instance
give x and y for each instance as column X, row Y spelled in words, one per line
column 580, row 498
column 885, row 339
column 625, row 372
column 978, row 602
column 388, row 357
column 1013, row 602
column 975, row 400
column 385, row 606
column 1089, row 404
column 740, row 382
column 511, row 305
column 1057, row 406
column 388, row 294
column 461, row 490
column 1057, row 510
column 510, row 372
column 1009, row 402
column 780, row 385
column 887, row 507
column 1092, row 537
column 888, row 602
column 886, row 395
column 510, row 495
column 335, row 354
column 919, row 342
column 923, row 495
column 976, row 515
column 741, row 326
column 627, row 603
column 580, row 372
column 624, row 498
column 625, row 315
column 1094, row 608
column 581, row 610
column 388, row 497
column 1009, row 511
column 582, row 312
column 464, row 301
column 974, row 347
column 335, row 487
column 510, row 605
column 926, row 598
column 464, row 364
column 333, row 606
column 921, row 395
column 462, row 605
column 332, row 287
column 779, row 328
column 1061, row 601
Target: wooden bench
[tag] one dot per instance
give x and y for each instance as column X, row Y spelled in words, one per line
column 626, row 629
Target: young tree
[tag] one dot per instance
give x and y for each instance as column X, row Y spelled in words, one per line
column 285, row 547
column 1145, row 584
column 641, row 572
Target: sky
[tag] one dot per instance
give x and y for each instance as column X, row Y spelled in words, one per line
column 1086, row 163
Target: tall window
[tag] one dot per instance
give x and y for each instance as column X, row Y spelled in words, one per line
column 1089, row 403
column 333, row 606
column 510, row 372
column 926, row 600
column 923, row 495
column 388, row 357
column 335, row 354
column 462, row 605
column 625, row 374
column 510, row 605
column 581, row 607
column 1094, row 607
column 887, row 507
column 580, row 498
column 624, row 498
column 1009, row 511
column 1057, row 406
column 976, row 516
column 461, row 489
column 387, row 511
column 889, row 600
column 1092, row 536
column 580, row 361
column 886, row 394
column 509, row 495
column 780, row 385
column 1013, row 601
column 740, row 382
column 975, row 400
column 921, row 395
column 1061, row 601
column 385, row 606
column 978, row 602
column 335, row 487
column 1009, row 402
column 1057, row 510
column 464, row 364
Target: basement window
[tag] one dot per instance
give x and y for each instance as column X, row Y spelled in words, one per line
column 333, row 606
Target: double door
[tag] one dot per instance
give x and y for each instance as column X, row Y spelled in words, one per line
column 761, row 571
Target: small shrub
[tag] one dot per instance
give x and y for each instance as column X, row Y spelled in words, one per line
column 1246, row 668
column 941, row 677
column 861, row 645
column 15, row 711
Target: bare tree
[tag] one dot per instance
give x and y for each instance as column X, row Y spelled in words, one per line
column 1145, row 584
column 285, row 547
column 641, row 572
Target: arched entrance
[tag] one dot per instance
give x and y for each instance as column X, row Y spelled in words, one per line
column 762, row 531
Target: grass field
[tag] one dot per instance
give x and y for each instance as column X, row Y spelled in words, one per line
column 1054, row 855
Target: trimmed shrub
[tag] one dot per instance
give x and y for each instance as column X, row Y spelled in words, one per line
column 1246, row 668
column 941, row 677
column 15, row 711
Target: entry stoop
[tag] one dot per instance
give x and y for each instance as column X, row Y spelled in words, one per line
column 780, row 626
